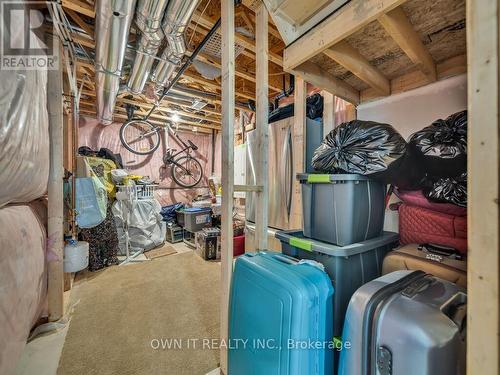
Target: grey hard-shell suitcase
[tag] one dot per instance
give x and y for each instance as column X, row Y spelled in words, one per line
column 405, row 323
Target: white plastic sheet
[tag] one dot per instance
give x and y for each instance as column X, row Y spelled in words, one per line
column 24, row 135
column 23, row 280
column 146, row 228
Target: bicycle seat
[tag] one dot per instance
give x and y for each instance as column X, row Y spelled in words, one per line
column 193, row 146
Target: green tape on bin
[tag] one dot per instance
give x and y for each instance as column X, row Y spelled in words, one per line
column 301, row 243
column 318, row 178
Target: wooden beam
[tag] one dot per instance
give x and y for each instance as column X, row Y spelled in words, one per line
column 315, row 75
column 299, row 155
column 80, row 22
column 352, row 60
column 55, row 229
column 262, row 128
column 83, row 40
column 398, row 26
column 328, row 112
column 79, row 7
column 227, row 150
column 449, row 68
column 248, row 188
column 352, row 17
column 483, row 257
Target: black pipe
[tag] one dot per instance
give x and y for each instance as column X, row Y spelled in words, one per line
column 285, row 92
column 186, row 65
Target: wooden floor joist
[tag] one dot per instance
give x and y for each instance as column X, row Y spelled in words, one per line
column 401, row 30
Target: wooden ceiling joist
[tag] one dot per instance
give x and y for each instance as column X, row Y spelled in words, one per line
column 349, row 19
column 401, row 30
column 347, row 56
column 81, row 23
column 79, row 7
column 449, row 68
column 319, row 77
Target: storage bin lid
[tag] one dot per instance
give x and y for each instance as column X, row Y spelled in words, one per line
column 313, row 178
column 197, row 209
column 296, row 238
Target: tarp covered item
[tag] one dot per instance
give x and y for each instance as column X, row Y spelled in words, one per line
column 23, row 280
column 146, row 228
column 24, row 135
column 449, row 190
column 368, row 148
column 443, row 146
column 91, row 202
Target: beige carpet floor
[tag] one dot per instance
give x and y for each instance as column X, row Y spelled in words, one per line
column 123, row 310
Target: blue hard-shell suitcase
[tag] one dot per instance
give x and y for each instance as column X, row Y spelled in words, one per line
column 280, row 317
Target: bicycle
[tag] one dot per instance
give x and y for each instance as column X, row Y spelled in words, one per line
column 143, row 138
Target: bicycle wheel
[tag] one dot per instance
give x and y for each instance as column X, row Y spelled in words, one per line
column 187, row 171
column 140, row 137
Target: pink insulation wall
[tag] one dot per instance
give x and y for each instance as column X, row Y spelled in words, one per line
column 95, row 136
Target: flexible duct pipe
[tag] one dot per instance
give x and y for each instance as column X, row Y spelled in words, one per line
column 176, row 20
column 149, row 15
column 113, row 19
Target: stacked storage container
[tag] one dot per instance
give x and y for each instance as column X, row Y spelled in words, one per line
column 343, row 218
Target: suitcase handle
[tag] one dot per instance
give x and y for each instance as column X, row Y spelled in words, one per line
column 456, row 309
column 445, row 251
column 294, row 261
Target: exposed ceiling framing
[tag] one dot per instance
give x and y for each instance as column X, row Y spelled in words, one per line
column 81, row 14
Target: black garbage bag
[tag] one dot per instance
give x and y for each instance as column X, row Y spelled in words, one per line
column 371, row 149
column 448, row 190
column 443, row 146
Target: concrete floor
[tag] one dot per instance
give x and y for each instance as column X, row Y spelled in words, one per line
column 41, row 355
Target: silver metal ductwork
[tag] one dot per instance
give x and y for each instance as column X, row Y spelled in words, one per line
column 176, row 20
column 113, row 19
column 148, row 19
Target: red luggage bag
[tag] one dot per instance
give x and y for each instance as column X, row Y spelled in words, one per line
column 420, row 225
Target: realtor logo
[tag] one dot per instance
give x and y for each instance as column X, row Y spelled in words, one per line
column 22, row 43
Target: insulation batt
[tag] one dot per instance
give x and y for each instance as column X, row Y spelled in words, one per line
column 23, row 280
column 24, row 132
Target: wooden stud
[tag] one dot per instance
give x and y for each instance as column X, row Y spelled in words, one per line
column 398, row 26
column 227, row 149
column 352, row 17
column 55, row 229
column 319, row 77
column 352, row 60
column 328, row 112
column 262, row 128
column 483, row 257
column 298, row 137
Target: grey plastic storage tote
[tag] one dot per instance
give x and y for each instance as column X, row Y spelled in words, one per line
column 349, row 267
column 342, row 209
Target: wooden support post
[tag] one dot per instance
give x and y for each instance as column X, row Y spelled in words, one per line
column 262, row 126
column 55, row 191
column 328, row 112
column 299, row 144
column 228, row 106
column 483, row 323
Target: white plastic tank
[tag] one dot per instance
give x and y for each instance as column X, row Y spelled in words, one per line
column 76, row 256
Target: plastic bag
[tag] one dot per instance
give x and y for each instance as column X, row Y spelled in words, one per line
column 449, row 190
column 443, row 146
column 371, row 149
column 91, row 201
column 169, row 212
